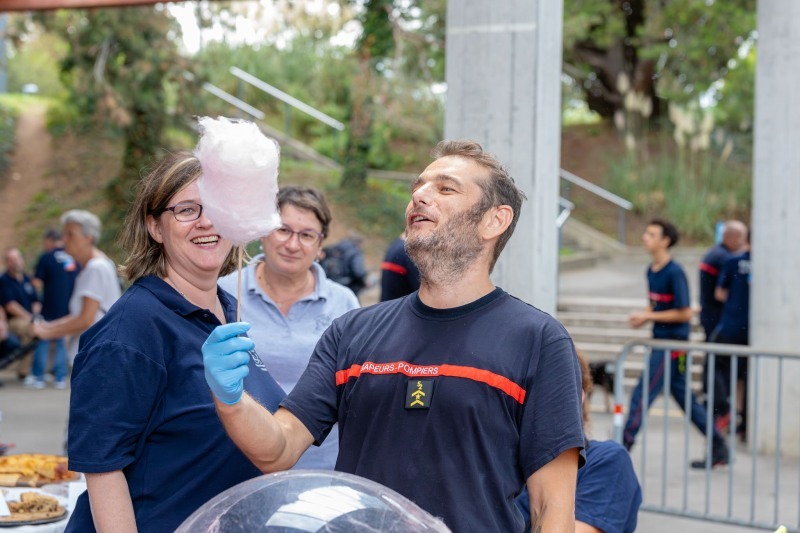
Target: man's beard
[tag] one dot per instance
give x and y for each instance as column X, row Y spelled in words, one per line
column 449, row 250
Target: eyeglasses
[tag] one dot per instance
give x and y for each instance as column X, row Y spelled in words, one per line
column 185, row 211
column 307, row 237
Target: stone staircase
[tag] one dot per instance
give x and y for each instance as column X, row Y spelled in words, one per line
column 599, row 328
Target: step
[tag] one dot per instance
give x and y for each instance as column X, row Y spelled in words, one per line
column 591, row 318
column 604, row 319
column 618, row 336
column 602, row 305
column 599, row 351
column 607, row 335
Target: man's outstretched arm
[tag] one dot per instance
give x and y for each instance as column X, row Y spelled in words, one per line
column 271, row 442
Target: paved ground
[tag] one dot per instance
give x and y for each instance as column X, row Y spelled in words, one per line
column 35, row 420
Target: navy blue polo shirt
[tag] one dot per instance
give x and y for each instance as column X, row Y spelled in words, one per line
column 735, row 322
column 607, row 495
column 710, row 267
column 140, row 404
column 669, row 290
column 57, row 270
column 22, row 292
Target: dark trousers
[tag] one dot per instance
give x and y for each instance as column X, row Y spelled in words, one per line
column 722, row 377
column 656, row 366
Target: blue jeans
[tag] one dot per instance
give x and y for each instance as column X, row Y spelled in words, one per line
column 40, row 359
column 677, row 388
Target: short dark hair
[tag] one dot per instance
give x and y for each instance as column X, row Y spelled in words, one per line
column 308, row 198
column 498, row 189
column 668, row 230
column 53, row 234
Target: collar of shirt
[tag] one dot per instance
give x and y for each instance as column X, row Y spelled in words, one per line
column 321, row 290
column 177, row 303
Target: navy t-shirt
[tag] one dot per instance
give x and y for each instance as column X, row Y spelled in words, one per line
column 140, row 403
column 399, row 274
column 57, row 270
column 23, row 292
column 669, row 290
column 710, row 267
column 735, row 322
column 608, row 494
column 452, row 408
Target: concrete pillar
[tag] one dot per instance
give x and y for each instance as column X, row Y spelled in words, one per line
column 503, row 72
column 775, row 286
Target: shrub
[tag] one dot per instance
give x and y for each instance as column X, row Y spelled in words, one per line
column 8, row 121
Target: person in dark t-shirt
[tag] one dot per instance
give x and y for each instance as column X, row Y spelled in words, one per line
column 399, row 274
column 733, row 288
column 669, row 311
column 733, row 238
column 55, row 276
column 454, row 396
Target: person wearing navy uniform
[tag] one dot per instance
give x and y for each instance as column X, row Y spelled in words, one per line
column 21, row 303
column 733, row 288
column 733, row 238
column 608, row 494
column 55, row 275
column 669, row 311
column 455, row 396
column 399, row 274
column 142, row 424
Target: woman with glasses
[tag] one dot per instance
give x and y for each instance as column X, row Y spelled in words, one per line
column 289, row 301
column 143, row 428
column 95, row 291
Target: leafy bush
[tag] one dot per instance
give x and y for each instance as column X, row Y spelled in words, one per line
column 63, row 116
column 8, row 120
column 693, row 190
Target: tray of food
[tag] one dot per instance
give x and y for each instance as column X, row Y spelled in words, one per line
column 31, row 507
column 34, row 470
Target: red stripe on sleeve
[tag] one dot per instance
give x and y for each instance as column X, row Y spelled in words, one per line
column 394, row 267
column 705, row 267
column 343, row 375
column 664, row 298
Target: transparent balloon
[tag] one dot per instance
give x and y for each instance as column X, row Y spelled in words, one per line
column 310, row 501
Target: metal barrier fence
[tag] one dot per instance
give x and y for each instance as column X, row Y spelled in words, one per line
column 755, row 489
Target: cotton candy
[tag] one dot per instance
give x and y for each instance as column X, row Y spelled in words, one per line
column 239, row 181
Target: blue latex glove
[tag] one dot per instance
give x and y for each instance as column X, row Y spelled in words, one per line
column 225, row 357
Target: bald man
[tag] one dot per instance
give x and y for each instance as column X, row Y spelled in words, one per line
column 734, row 236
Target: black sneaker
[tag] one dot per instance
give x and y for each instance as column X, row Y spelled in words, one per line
column 719, row 457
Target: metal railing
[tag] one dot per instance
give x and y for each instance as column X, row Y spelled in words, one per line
column 227, row 97
column 289, row 102
column 623, row 205
column 767, row 491
column 566, row 208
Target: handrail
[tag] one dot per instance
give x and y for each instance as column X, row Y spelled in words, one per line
column 739, row 350
column 759, row 484
column 286, row 98
column 596, row 190
column 228, row 97
column 566, row 208
column 622, row 204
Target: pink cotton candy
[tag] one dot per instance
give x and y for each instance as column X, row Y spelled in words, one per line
column 239, row 182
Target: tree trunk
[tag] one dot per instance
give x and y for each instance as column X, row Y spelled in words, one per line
column 358, row 138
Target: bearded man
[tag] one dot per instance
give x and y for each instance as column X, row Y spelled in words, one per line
column 454, row 396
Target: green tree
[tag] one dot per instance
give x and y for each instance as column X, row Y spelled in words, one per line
column 397, row 37
column 35, row 60
column 118, row 67
column 672, row 50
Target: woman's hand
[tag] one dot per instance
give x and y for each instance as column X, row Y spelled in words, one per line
column 225, row 357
